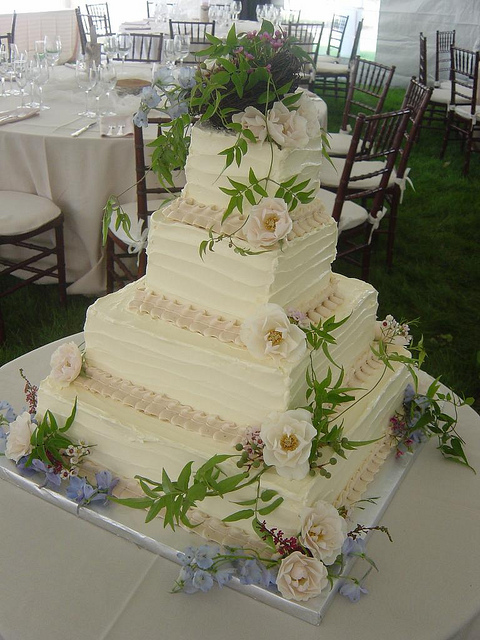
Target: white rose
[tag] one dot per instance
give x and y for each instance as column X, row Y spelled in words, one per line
column 323, row 531
column 268, row 222
column 287, row 128
column 254, row 120
column 287, row 439
column 66, row 363
column 301, row 577
column 18, row 441
column 270, row 334
column 307, row 109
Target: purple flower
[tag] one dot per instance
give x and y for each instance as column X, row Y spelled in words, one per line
column 105, row 481
column 353, row 547
column 6, row 410
column 202, row 580
column 50, row 476
column 205, row 555
column 79, row 490
column 352, row 590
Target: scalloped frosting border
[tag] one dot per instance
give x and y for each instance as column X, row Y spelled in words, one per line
column 192, row 318
column 306, row 218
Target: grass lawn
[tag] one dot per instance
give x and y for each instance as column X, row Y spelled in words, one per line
column 435, row 278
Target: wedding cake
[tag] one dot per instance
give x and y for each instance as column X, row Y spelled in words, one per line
column 208, row 350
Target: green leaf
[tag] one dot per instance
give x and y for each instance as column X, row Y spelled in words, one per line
column 184, row 477
column 263, row 535
column 133, row 503
column 267, row 495
column 155, row 509
column 245, row 514
column 70, row 418
column 271, row 507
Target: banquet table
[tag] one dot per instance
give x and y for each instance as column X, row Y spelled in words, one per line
column 79, row 174
column 64, row 576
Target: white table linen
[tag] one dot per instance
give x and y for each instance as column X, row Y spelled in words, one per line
column 78, row 174
column 62, row 575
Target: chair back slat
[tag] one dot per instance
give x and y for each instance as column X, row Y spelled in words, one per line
column 464, row 78
column 101, row 11
column 337, row 33
column 422, row 63
column 308, row 35
column 356, row 41
column 444, row 40
column 368, row 88
column 416, row 99
column 145, row 47
column 196, row 30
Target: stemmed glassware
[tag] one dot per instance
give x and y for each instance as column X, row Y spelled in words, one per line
column 124, row 44
column 110, row 47
column 22, row 77
column 3, row 68
column 106, row 81
column 182, row 46
column 53, row 49
column 86, row 76
column 38, row 69
column 236, row 8
column 170, row 52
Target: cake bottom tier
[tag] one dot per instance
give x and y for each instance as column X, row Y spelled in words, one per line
column 132, row 438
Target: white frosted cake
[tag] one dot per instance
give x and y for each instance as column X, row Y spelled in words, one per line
column 173, row 370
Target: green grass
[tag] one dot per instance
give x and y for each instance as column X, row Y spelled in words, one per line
column 435, row 278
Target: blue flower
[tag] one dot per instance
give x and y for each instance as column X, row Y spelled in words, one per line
column 176, row 109
column 24, row 470
column 224, row 575
column 186, row 77
column 185, row 580
column 202, row 580
column 205, row 555
column 79, row 490
column 6, row 410
column 50, row 476
column 353, row 547
column 163, row 77
column 140, row 119
column 252, row 572
column 187, row 557
column 150, row 97
column 352, row 590
column 105, row 481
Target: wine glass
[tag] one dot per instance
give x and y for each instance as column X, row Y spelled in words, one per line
column 53, row 49
column 107, row 78
column 3, row 68
column 110, row 46
column 260, row 11
column 170, row 53
column 13, row 55
column 124, row 43
column 39, row 47
column 182, row 45
column 86, row 76
column 22, row 77
column 236, row 7
column 39, row 75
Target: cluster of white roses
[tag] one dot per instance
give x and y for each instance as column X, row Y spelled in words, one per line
column 392, row 332
column 323, row 532
column 66, row 364
column 288, row 128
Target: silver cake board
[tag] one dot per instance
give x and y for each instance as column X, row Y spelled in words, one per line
column 129, row 524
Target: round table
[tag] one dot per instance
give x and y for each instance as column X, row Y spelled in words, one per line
column 62, row 575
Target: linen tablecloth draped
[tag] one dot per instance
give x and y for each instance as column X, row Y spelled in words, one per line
column 38, row 24
column 62, row 573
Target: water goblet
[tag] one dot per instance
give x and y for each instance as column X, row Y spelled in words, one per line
column 110, row 46
column 22, row 77
column 182, row 45
column 260, row 11
column 3, row 69
column 124, row 43
column 39, row 75
column 107, row 78
column 86, row 76
column 170, row 53
column 39, row 47
column 53, row 49
column 236, row 7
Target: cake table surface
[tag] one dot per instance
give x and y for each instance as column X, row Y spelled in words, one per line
column 65, row 577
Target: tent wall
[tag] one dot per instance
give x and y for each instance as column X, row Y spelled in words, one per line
column 401, row 21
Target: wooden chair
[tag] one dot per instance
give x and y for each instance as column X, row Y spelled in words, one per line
column 86, row 24
column 100, row 11
column 463, row 118
column 6, row 39
column 332, row 77
column 308, row 36
column 24, row 219
column 444, row 40
column 126, row 257
column 436, row 112
column 367, row 91
column 145, row 47
column 358, row 211
column 196, row 30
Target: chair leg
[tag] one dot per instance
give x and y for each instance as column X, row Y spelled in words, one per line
column 392, row 226
column 447, row 134
column 468, row 151
column 2, row 328
column 60, row 249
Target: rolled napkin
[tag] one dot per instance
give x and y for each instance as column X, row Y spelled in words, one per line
column 116, row 126
column 20, row 113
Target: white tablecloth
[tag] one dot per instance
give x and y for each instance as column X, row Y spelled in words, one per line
column 62, row 576
column 78, row 174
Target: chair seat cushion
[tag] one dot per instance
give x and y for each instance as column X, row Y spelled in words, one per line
column 352, row 215
column 325, row 58
column 464, row 112
column 24, row 212
column 339, row 143
column 330, row 173
column 130, row 209
column 332, row 67
column 441, row 96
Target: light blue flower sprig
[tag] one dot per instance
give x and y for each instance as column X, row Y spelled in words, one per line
column 80, row 491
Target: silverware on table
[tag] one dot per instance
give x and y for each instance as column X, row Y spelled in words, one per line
column 75, row 134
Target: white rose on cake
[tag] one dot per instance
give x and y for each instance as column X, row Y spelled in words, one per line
column 254, row 120
column 19, row 435
column 323, row 531
column 287, row 438
column 307, row 109
column 287, row 128
column 66, row 364
column 268, row 222
column 301, row 577
column 270, row 334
